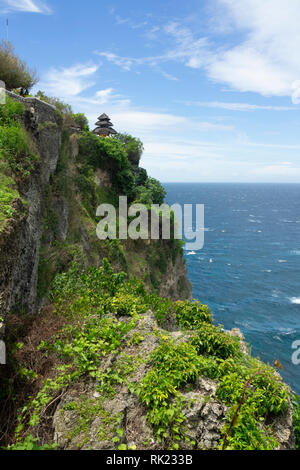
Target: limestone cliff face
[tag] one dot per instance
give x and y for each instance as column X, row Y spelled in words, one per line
column 175, row 283
column 20, row 240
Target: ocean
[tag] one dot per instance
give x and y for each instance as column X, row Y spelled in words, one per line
column 248, row 272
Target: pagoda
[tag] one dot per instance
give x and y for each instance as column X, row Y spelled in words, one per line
column 104, row 126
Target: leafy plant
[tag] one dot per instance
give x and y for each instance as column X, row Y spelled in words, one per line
column 191, row 315
column 296, row 419
column 31, row 443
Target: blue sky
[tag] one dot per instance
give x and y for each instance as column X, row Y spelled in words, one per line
column 212, row 87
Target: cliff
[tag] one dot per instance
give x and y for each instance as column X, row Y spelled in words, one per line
column 102, row 333
column 21, row 233
column 47, row 215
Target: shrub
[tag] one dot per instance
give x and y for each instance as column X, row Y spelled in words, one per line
column 10, row 111
column 31, row 443
column 256, row 393
column 173, row 367
column 212, row 340
column 191, row 315
column 152, row 192
column 133, row 147
column 110, row 155
column 81, row 121
column 15, row 149
column 14, row 71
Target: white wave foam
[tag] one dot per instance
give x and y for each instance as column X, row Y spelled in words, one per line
column 191, row 253
column 254, row 221
column 295, row 300
column 282, row 261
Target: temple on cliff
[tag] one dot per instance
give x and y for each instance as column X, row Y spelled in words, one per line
column 104, row 126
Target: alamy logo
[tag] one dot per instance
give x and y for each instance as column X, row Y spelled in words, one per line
column 159, row 222
column 296, row 354
column 2, row 92
column 2, row 353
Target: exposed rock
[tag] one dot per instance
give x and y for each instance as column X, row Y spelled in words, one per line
column 103, row 179
column 175, row 283
column 20, row 241
column 60, row 205
column 283, row 429
column 237, row 332
column 204, row 414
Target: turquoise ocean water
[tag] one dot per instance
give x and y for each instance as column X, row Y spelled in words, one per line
column 249, row 269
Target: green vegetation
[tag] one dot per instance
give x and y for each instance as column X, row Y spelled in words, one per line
column 7, row 195
column 296, row 419
column 31, row 443
column 151, row 192
column 81, row 121
column 96, row 311
column 107, row 154
column 190, row 315
column 133, row 147
column 116, row 156
column 17, row 158
column 16, row 155
column 13, row 71
column 95, row 299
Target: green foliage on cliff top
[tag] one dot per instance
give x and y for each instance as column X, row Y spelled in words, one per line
column 115, row 156
column 133, row 147
column 108, row 154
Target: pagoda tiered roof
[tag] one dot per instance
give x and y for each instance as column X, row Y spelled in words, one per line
column 104, row 126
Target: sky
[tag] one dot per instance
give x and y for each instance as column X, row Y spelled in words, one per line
column 212, row 87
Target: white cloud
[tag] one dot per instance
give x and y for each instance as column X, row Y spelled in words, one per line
column 124, row 62
column 266, row 61
column 239, row 106
column 168, row 76
column 32, row 6
column 66, row 82
column 258, row 50
column 188, row 50
column 281, row 170
column 149, row 122
column 296, row 92
column 105, row 95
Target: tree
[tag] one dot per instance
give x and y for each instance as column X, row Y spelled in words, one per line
column 14, row 72
column 151, row 192
column 81, row 121
column 133, row 146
